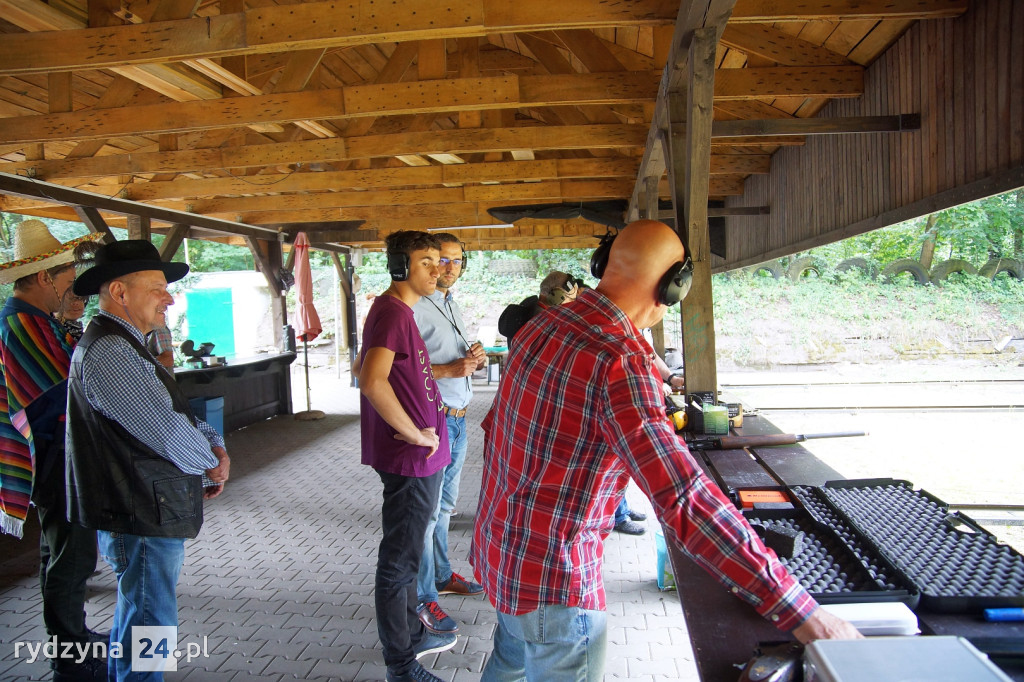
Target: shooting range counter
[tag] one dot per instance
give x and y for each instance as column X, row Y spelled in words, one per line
column 254, row 388
column 725, row 631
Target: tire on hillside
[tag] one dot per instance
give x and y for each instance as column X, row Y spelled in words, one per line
column 770, row 267
column 908, row 265
column 804, row 267
column 946, row 268
column 869, row 268
column 1011, row 266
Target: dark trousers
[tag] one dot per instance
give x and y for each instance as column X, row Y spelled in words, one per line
column 405, row 512
column 67, row 557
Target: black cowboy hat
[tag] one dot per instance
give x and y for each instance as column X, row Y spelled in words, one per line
column 121, row 258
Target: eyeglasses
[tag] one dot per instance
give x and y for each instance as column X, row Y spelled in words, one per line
column 445, row 262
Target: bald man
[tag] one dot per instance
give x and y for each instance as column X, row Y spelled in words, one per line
column 579, row 412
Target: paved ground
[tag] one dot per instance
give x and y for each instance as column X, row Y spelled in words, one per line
column 280, row 582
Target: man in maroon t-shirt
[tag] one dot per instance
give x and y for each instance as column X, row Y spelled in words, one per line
column 405, row 440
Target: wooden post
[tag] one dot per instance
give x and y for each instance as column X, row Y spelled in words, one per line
column 690, row 125
column 139, row 227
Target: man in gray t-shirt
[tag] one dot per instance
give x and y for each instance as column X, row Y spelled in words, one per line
column 453, row 360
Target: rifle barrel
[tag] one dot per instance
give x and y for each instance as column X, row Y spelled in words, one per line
column 837, row 434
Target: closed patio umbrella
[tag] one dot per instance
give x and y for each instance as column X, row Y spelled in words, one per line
column 307, row 320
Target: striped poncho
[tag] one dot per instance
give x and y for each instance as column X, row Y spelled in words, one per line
column 35, row 354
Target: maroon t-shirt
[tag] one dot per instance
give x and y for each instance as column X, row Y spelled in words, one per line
column 390, row 324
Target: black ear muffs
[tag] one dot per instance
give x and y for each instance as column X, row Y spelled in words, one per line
column 465, row 257
column 599, row 259
column 398, row 266
column 675, row 283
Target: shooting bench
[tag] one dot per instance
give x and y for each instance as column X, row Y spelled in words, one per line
column 725, row 631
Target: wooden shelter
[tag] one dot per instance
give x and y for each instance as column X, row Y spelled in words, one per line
column 792, row 123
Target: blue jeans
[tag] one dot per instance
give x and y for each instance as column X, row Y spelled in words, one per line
column 147, row 571
column 622, row 511
column 551, row 644
column 434, row 564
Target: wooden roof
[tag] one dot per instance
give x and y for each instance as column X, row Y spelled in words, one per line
column 353, row 119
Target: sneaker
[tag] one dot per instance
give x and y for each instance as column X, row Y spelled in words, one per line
column 435, row 620
column 435, row 644
column 630, row 527
column 459, row 585
column 417, row 673
column 637, row 516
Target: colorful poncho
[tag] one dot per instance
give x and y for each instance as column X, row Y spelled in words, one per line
column 35, row 354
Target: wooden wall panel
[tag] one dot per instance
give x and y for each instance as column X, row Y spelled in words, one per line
column 965, row 77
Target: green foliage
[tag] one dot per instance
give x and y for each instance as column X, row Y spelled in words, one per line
column 976, row 232
column 204, row 256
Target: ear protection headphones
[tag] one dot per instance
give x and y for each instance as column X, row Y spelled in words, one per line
column 674, row 284
column 398, row 266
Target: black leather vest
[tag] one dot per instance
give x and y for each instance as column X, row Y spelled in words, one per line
column 115, row 482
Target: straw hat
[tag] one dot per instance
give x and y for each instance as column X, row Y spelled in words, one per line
column 35, row 250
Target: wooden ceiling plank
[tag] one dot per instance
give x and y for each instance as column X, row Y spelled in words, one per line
column 304, row 26
column 821, row 81
column 750, row 108
column 779, row 47
column 881, row 37
column 592, row 52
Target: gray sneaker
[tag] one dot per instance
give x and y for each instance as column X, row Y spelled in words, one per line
column 434, row 643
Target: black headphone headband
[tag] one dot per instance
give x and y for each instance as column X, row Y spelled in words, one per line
column 674, row 284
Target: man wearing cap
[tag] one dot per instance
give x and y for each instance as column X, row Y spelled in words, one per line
column 453, row 359
column 137, row 456
column 556, row 289
column 35, row 353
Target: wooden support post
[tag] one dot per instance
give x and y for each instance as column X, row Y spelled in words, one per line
column 139, row 227
column 175, row 236
column 95, row 222
column 269, row 259
column 650, row 207
column 658, row 336
column 691, row 165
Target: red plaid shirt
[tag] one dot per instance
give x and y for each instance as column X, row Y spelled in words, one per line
column 578, row 412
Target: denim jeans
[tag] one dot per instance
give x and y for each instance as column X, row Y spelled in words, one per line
column 622, row 511
column 147, row 571
column 551, row 644
column 404, row 511
column 435, row 566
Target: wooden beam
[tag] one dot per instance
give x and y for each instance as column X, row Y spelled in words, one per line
column 723, row 212
column 92, row 219
column 789, row 81
column 817, row 126
column 175, row 236
column 310, row 25
column 463, row 94
column 778, row 46
column 89, row 205
column 690, row 190
column 768, row 11
column 371, row 146
column 139, row 227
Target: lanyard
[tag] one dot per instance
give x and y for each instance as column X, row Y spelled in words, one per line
column 451, row 321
